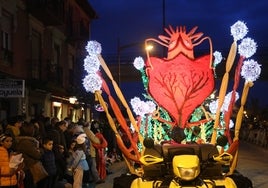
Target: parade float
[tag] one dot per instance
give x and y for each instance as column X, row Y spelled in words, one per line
column 185, row 132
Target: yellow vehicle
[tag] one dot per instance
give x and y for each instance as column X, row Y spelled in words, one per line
column 185, row 165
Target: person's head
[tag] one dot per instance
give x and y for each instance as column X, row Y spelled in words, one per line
column 72, row 145
column 77, row 130
column 16, row 121
column 63, row 125
column 6, row 140
column 27, row 129
column 48, row 143
column 87, row 124
column 36, row 123
column 80, row 142
column 53, row 121
column 61, row 148
column 94, row 127
column 19, row 121
column 81, row 121
column 68, row 119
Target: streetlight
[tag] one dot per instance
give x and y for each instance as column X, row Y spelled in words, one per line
column 148, row 47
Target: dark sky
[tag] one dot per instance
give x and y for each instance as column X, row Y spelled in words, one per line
column 133, row 21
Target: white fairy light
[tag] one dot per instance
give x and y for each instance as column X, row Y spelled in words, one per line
column 239, row 30
column 93, row 48
column 91, row 64
column 217, row 58
column 141, row 108
column 137, row 106
column 151, row 106
column 250, row 70
column 92, row 82
column 138, row 63
column 214, row 104
column 231, row 124
column 227, row 101
column 247, row 47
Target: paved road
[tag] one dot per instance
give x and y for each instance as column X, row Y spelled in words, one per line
column 117, row 168
column 252, row 162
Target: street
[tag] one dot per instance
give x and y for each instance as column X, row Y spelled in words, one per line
column 117, row 169
column 252, row 163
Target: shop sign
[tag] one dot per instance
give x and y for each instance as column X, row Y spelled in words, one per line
column 12, row 88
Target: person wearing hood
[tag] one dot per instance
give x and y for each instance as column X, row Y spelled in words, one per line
column 79, row 163
column 29, row 147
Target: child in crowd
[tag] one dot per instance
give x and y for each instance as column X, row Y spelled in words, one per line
column 71, row 148
column 69, row 160
column 48, row 161
column 79, row 163
column 8, row 177
column 63, row 181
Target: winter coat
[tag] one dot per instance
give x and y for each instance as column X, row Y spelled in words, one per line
column 48, row 161
column 29, row 147
column 4, row 169
column 79, row 160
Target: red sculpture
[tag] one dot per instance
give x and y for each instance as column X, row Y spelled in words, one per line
column 180, row 83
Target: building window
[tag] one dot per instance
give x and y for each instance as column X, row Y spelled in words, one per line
column 56, row 72
column 36, row 54
column 71, row 69
column 5, row 40
column 56, row 54
column 6, row 37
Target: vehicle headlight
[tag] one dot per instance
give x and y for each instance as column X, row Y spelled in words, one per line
column 187, row 173
column 186, row 167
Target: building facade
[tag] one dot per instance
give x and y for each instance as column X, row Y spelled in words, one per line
column 41, row 61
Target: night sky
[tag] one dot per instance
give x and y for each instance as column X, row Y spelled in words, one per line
column 133, row 21
column 123, row 22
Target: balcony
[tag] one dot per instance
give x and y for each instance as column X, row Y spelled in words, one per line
column 49, row 12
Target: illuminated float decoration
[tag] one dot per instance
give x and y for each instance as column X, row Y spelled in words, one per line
column 179, row 93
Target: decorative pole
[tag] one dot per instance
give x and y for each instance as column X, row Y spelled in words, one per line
column 223, row 89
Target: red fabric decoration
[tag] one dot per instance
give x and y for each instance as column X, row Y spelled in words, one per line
column 100, row 148
column 131, row 152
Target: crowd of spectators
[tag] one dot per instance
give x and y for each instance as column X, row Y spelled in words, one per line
column 255, row 134
column 74, row 154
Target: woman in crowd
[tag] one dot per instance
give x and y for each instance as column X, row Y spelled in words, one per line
column 8, row 175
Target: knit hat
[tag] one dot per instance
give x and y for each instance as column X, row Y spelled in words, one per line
column 80, row 139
